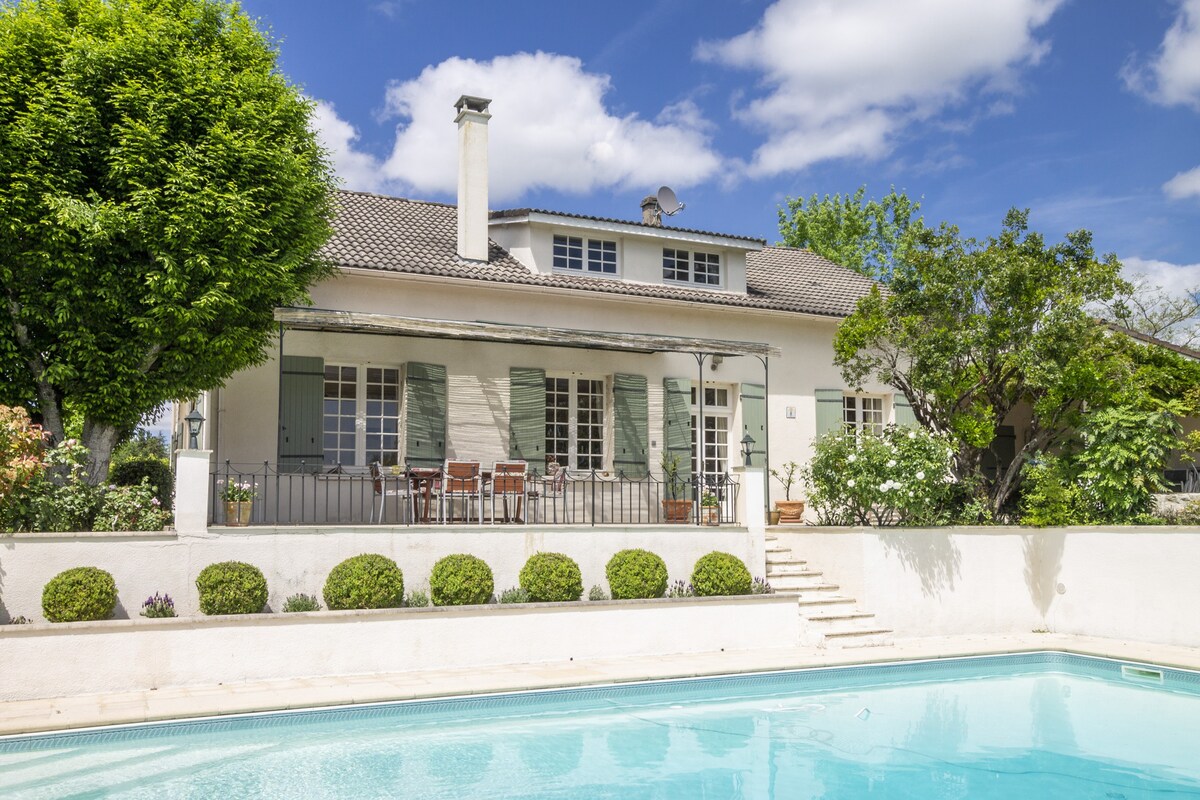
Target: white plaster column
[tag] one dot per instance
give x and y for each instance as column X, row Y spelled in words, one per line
column 191, row 492
column 472, row 120
column 752, row 499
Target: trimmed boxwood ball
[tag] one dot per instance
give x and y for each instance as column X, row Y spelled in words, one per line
column 366, row 581
column 718, row 574
column 636, row 575
column 79, row 595
column 461, row 580
column 551, row 578
column 231, row 587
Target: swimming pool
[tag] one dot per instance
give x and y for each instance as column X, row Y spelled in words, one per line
column 1020, row 726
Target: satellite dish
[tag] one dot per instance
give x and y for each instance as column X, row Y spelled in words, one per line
column 668, row 203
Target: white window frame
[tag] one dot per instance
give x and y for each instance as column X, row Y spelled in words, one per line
column 605, row 441
column 685, row 260
column 360, row 414
column 715, row 410
column 586, row 246
column 858, row 403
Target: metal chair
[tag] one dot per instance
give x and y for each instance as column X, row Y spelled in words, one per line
column 509, row 480
column 379, row 485
column 462, row 479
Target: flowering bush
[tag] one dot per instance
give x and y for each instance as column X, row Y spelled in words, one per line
column 63, row 500
column 131, row 508
column 234, row 492
column 158, row 606
column 901, row 476
column 20, row 450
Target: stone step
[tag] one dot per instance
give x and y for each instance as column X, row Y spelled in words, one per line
column 796, row 583
column 781, row 558
column 838, row 618
column 808, row 592
column 859, row 637
column 823, row 602
column 780, row 570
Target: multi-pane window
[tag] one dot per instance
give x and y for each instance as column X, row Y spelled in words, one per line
column 575, row 422
column 717, row 418
column 684, row 267
column 361, row 422
column 382, row 416
column 862, row 414
column 570, row 252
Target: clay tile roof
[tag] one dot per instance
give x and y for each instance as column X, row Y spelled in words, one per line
column 419, row 237
column 524, row 212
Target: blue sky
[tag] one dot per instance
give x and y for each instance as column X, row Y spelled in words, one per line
column 1086, row 112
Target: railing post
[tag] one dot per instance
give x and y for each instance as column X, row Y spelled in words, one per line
column 752, row 500
column 192, row 483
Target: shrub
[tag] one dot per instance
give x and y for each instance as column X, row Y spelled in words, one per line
column 158, row 606
column 636, row 575
column 761, row 586
column 131, row 508
column 155, row 471
column 514, row 595
column 417, row 599
column 80, row 594
column 551, row 578
column 231, row 587
column 901, row 476
column 461, row 580
column 720, row 574
column 301, row 602
column 366, row 581
column 597, row 593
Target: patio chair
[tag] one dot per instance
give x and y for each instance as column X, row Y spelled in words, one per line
column 509, row 481
column 462, row 479
column 380, row 487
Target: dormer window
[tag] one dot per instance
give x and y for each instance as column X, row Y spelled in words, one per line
column 578, row 254
column 683, row 266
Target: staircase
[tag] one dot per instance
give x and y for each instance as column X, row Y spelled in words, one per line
column 830, row 618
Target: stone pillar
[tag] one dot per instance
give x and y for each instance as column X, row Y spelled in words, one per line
column 192, row 484
column 752, row 499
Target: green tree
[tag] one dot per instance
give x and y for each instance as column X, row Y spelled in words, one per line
column 161, row 192
column 969, row 329
column 868, row 237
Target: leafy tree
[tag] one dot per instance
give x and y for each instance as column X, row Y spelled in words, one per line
column 868, row 237
column 1147, row 308
column 161, row 193
column 970, row 329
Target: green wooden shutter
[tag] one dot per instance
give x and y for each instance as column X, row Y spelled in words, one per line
column 425, row 414
column 677, row 426
column 631, row 426
column 527, row 415
column 829, row 410
column 301, row 389
column 754, row 422
column 902, row 413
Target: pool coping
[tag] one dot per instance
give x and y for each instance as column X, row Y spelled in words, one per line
column 170, row 703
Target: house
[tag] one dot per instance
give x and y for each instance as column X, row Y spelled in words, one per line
column 556, row 338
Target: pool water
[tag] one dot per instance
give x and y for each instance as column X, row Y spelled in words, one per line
column 1043, row 725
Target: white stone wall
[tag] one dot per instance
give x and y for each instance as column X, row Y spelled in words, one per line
column 1132, row 583
column 85, row 658
column 297, row 560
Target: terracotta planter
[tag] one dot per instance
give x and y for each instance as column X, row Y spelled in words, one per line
column 710, row 515
column 790, row 510
column 772, row 517
column 677, row 510
column 237, row 514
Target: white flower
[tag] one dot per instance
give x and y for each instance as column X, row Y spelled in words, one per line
column 910, row 493
column 891, row 463
column 850, row 483
column 912, row 434
column 885, row 487
column 852, row 458
column 920, row 475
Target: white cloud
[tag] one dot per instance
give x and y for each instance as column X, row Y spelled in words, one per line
column 842, row 79
column 1172, row 76
column 550, row 129
column 1176, row 279
column 358, row 170
column 1185, row 184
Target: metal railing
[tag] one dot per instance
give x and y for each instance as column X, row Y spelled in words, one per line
column 300, row 495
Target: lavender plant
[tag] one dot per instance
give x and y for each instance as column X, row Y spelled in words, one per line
column 158, row 606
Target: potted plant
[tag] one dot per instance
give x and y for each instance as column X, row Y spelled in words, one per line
column 789, row 510
column 710, row 509
column 239, row 502
column 675, row 509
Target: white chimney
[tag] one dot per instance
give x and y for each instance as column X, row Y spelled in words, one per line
column 472, row 122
